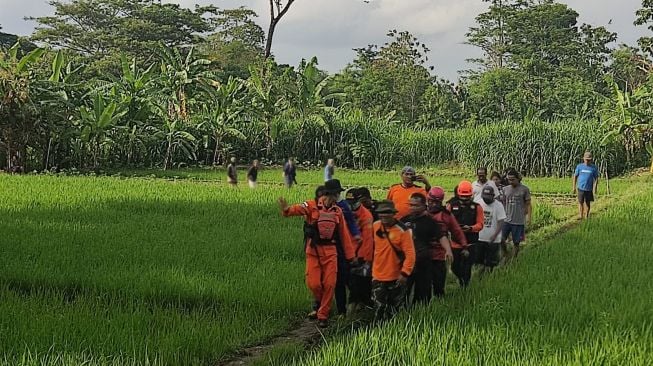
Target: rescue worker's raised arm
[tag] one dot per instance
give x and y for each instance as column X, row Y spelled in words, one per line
column 294, row 210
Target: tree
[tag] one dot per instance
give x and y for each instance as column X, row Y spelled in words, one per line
column 556, row 57
column 17, row 108
column 97, row 122
column 645, row 17
column 178, row 75
column 629, row 68
column 491, row 35
column 389, row 78
column 221, row 112
column 103, row 29
column 237, row 43
column 266, row 100
column 277, row 11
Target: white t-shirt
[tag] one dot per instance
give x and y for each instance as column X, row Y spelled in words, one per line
column 492, row 214
column 478, row 190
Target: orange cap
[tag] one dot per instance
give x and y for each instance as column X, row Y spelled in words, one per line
column 465, row 188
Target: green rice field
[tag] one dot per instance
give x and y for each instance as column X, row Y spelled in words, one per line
column 137, row 270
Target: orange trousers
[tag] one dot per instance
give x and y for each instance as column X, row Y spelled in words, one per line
column 321, row 274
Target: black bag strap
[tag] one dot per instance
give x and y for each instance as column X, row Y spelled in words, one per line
column 398, row 252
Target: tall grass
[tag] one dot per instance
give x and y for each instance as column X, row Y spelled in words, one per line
column 536, row 148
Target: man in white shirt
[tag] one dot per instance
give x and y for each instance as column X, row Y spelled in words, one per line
column 482, row 182
column 489, row 239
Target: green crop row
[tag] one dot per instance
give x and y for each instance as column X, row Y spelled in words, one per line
column 104, row 270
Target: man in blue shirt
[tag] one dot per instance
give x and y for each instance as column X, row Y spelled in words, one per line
column 586, row 179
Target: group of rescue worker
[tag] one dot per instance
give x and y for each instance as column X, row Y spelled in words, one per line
column 397, row 251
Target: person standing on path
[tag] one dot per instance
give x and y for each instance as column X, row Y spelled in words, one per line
column 329, row 170
column 426, row 237
column 400, row 193
column 324, row 230
column 469, row 215
column 518, row 210
column 498, row 182
column 394, row 260
column 232, row 172
column 585, row 183
column 490, row 238
column 481, row 182
column 290, row 173
column 252, row 174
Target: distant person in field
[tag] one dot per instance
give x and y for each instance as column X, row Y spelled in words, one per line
column 394, row 260
column 290, row 173
column 324, row 230
column 449, row 225
column 489, row 238
column 469, row 215
column 481, row 182
column 426, row 237
column 252, row 174
column 585, row 182
column 232, row 172
column 367, row 201
column 329, row 170
column 361, row 274
column 498, row 182
column 400, row 193
column 518, row 210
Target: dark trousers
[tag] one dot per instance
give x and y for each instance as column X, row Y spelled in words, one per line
column 360, row 290
column 342, row 282
column 420, row 281
column 462, row 267
column 389, row 297
column 439, row 277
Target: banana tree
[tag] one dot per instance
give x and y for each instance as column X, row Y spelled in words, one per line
column 266, row 102
column 309, row 99
column 221, row 112
column 631, row 120
column 16, row 104
column 178, row 75
column 136, row 88
column 174, row 138
column 98, row 122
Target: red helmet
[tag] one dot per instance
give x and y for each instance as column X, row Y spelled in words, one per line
column 436, row 193
column 465, row 188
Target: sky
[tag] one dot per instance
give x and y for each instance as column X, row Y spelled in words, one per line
column 330, row 29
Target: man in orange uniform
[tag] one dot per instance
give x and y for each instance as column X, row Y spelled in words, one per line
column 325, row 227
column 394, row 260
column 469, row 216
column 449, row 225
column 361, row 275
column 400, row 193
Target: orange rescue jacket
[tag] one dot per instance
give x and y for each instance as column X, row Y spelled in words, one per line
column 310, row 210
column 387, row 265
